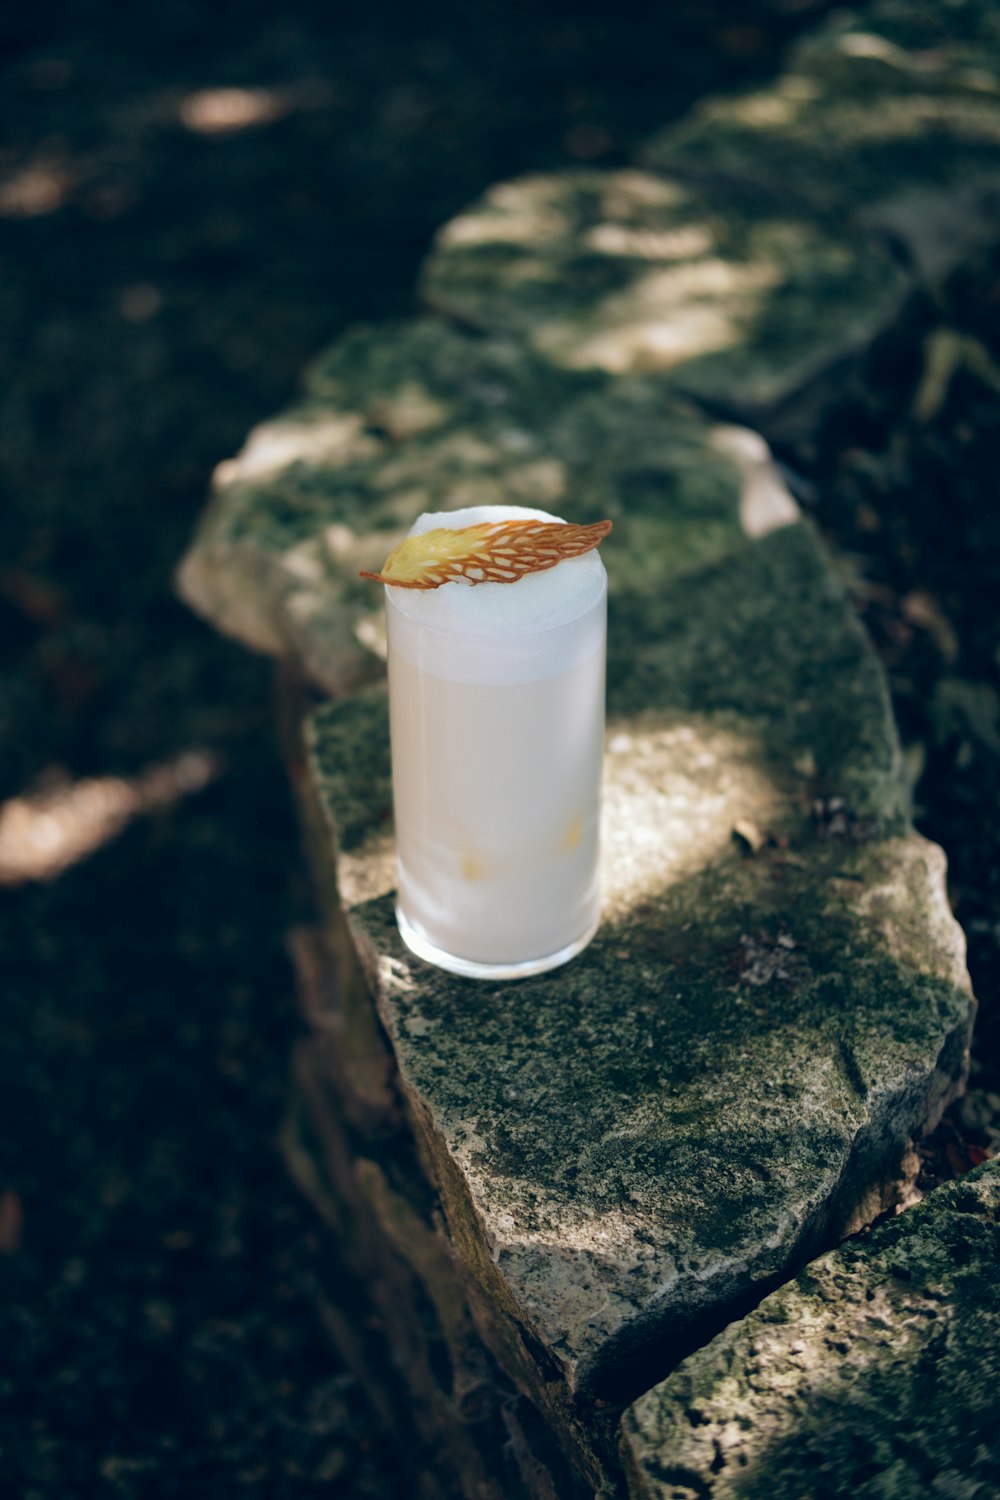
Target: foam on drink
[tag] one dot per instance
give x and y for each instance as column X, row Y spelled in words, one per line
column 497, row 714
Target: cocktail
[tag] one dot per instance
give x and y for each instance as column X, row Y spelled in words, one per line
column 496, row 621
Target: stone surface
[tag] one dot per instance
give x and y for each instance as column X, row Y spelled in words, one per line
column 407, row 1332
column 872, row 1376
column 447, row 1375
column 737, row 300
column 889, row 118
column 728, row 1078
column 392, row 423
column 423, row 417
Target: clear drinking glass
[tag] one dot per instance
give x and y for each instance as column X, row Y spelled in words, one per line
column 496, row 695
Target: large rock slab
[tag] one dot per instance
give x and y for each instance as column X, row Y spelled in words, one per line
column 873, row 1375
column 629, row 1149
column 423, row 417
column 728, row 1079
column 738, row 301
column 888, row 119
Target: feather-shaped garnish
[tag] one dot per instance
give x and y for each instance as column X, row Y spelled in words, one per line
column 494, row 552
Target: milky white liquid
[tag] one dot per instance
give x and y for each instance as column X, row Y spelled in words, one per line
column 497, row 719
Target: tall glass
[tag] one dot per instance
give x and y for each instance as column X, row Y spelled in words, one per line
column 496, row 695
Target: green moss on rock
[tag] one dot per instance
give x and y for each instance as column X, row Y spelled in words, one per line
column 888, row 119
column 737, row 301
column 872, row 1375
column 729, row 1077
column 422, row 417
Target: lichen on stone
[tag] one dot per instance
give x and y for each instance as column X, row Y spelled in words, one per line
column 418, row 418
column 887, row 120
column 626, row 271
column 872, row 1374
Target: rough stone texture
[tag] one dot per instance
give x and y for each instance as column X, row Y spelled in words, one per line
column 872, row 1376
column 470, row 1421
column 411, row 1341
column 422, row 417
column 728, row 1078
column 890, row 118
column 739, row 301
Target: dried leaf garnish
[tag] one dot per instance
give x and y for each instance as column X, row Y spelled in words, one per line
column 494, row 552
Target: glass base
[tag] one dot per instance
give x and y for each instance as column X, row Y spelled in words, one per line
column 470, row 968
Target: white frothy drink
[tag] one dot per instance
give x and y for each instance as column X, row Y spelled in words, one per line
column 496, row 697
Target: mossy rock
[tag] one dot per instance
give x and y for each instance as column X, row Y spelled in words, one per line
column 870, row 1377
column 888, row 120
column 728, row 1078
column 421, row 416
column 737, row 300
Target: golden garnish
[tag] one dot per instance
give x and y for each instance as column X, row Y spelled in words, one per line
column 495, row 552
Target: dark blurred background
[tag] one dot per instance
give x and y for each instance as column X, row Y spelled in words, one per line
column 195, row 198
